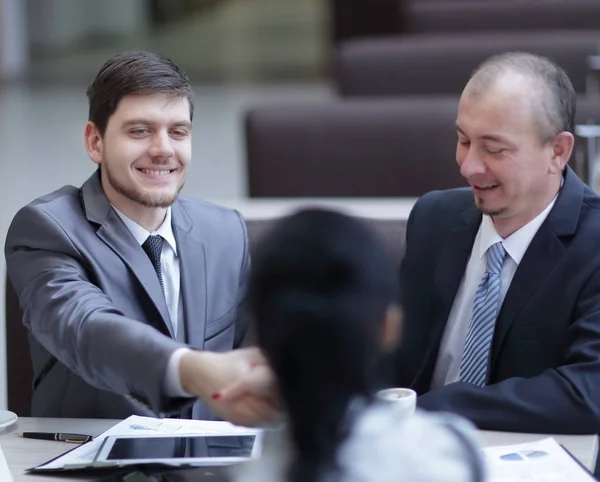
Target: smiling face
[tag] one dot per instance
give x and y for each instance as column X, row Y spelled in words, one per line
column 144, row 152
column 513, row 173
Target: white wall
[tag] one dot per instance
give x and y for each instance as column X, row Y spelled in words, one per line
column 13, row 39
column 59, row 24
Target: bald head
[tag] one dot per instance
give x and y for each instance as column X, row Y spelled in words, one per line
column 542, row 83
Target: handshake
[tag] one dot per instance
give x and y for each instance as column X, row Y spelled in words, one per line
column 238, row 386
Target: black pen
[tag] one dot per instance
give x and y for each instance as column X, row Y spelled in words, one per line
column 74, row 438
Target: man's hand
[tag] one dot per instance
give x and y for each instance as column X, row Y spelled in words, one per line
column 259, row 382
column 238, row 386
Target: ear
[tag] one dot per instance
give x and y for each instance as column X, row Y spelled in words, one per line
column 93, row 143
column 392, row 326
column 562, row 147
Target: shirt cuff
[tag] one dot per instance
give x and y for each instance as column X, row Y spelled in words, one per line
column 172, row 380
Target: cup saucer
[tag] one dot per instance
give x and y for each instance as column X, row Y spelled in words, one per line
column 7, row 418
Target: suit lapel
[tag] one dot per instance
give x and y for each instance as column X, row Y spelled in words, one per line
column 116, row 235
column 542, row 255
column 454, row 255
column 450, row 268
column 540, row 258
column 192, row 264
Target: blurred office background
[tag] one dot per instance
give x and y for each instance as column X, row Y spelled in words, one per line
column 294, row 98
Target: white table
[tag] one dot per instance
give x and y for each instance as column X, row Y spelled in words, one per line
column 376, row 208
column 23, row 453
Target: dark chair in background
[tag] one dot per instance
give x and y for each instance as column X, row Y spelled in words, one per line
column 364, row 18
column 368, row 18
column 371, row 148
column 442, row 63
column 460, row 16
column 403, row 147
column 18, row 364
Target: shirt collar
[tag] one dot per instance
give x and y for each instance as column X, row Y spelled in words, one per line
column 488, row 235
column 517, row 243
column 141, row 234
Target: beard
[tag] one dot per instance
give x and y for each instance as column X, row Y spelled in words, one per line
column 146, row 199
column 480, row 205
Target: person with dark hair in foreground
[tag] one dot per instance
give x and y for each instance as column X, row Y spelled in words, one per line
column 322, row 296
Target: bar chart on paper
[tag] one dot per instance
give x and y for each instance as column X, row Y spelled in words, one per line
column 541, row 461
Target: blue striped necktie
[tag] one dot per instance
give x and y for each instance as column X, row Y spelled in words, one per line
column 474, row 363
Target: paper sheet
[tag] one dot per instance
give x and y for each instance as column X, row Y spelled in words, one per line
column 136, row 425
column 541, row 461
column 5, row 475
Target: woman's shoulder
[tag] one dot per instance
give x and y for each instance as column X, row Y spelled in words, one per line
column 387, row 445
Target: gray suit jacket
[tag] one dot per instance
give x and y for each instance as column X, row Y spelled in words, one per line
column 99, row 332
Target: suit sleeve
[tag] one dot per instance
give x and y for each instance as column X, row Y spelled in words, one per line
column 565, row 399
column 419, row 236
column 244, row 335
column 75, row 321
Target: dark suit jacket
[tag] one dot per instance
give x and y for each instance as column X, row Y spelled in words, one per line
column 544, row 373
column 100, row 331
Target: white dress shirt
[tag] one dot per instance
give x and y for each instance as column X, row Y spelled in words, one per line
column 169, row 262
column 447, row 367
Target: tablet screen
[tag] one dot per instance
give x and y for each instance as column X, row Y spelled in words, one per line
column 141, row 448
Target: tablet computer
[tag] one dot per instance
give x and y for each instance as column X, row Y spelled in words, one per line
column 180, row 450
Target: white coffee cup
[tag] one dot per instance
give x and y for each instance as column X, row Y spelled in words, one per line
column 404, row 399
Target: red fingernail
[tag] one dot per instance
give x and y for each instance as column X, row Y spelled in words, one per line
column 216, row 396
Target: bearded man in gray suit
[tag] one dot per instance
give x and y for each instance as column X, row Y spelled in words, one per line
column 130, row 292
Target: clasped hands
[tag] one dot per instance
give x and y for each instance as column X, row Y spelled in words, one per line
column 238, row 385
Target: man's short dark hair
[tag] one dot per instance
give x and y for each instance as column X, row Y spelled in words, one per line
column 137, row 72
column 555, row 93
